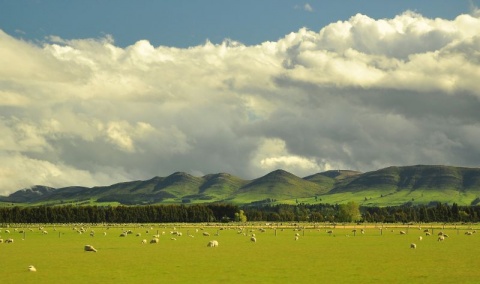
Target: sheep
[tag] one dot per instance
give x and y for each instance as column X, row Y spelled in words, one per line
column 9, row 241
column 413, row 246
column 154, row 241
column 144, row 241
column 441, row 238
column 296, row 238
column 420, row 238
column 123, row 235
column 468, row 233
column 173, row 239
column 1, row 241
column 403, row 233
column 32, row 268
column 206, row 234
column 89, row 248
column 253, row 239
column 427, row 234
column 138, row 235
column 362, row 231
column 212, row 244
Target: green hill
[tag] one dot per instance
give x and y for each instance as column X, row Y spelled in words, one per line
column 420, row 184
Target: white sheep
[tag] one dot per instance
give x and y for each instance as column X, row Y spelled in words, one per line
column 441, row 238
column 413, row 246
column 296, row 238
column 213, row 243
column 206, row 234
column 420, row 238
column 253, row 239
column 403, row 233
column 144, row 241
column 9, row 241
column 154, row 241
column 89, row 248
column 32, row 268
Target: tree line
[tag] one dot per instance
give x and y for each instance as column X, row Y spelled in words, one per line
column 350, row 212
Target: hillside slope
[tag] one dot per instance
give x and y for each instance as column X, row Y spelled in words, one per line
column 420, row 184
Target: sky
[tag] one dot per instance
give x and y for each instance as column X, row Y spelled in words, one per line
column 100, row 92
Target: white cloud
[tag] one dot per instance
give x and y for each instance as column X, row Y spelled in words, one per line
column 307, row 7
column 359, row 94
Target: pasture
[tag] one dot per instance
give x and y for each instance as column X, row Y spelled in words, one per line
column 377, row 256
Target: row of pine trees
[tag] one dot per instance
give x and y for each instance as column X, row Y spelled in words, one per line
column 350, row 212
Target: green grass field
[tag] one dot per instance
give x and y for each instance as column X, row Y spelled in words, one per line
column 378, row 256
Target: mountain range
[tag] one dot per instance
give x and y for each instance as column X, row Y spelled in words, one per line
column 420, row 184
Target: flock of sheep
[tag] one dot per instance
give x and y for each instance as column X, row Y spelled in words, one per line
column 245, row 231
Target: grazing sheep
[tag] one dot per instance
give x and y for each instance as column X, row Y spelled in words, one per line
column 403, row 233
column 253, row 239
column 154, row 241
column 441, row 238
column 9, row 241
column 212, row 244
column 468, row 233
column 1, row 241
column 173, row 239
column 138, row 235
column 296, row 238
column 206, row 234
column 420, row 238
column 89, row 248
column 144, row 241
column 32, row 268
column 123, row 235
column 413, row 246
column 427, row 234
column 362, row 231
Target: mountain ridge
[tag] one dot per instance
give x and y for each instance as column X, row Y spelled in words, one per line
column 395, row 185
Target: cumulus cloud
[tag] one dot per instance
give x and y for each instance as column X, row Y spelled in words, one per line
column 359, row 94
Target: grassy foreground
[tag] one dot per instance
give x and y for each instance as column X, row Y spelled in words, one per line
column 378, row 256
